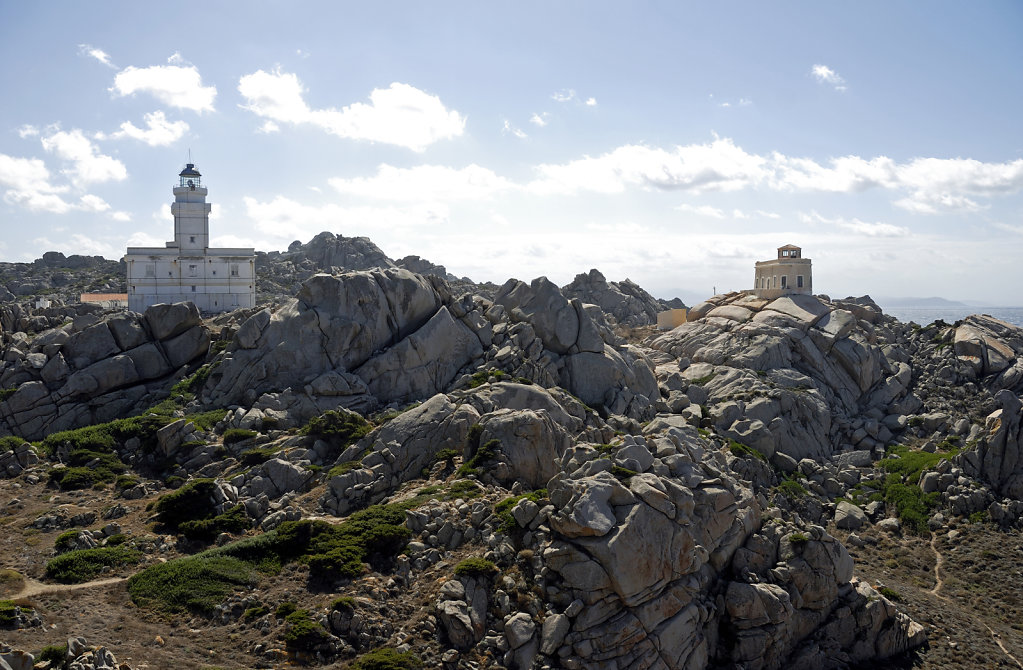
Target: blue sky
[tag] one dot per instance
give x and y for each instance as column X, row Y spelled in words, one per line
column 673, row 143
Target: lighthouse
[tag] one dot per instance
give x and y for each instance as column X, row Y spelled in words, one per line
column 187, row 268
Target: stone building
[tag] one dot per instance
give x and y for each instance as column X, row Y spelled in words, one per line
column 187, row 269
column 789, row 273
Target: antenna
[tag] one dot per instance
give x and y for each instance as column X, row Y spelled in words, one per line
column 189, row 154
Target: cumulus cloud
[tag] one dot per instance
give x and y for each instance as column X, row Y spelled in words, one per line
column 591, row 102
column 564, row 95
column 424, row 183
column 93, row 52
column 172, row 84
column 825, row 75
column 925, row 185
column 87, row 165
column 539, row 119
column 720, row 165
column 27, row 183
column 858, row 227
column 28, row 131
column 702, row 210
column 401, row 115
column 159, row 132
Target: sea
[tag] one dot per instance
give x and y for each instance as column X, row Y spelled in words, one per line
column 927, row 315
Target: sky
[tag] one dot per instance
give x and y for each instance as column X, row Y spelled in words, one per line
column 673, row 143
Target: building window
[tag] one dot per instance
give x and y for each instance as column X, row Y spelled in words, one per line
column 799, row 281
column 151, row 270
column 784, row 281
column 193, row 270
column 234, row 269
column 191, row 239
column 193, row 289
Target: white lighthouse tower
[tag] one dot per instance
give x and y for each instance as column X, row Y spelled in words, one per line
column 187, row 269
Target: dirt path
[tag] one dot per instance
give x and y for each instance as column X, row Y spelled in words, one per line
column 34, row 588
column 938, row 583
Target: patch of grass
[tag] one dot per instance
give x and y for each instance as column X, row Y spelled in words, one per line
column 82, row 565
column 909, row 464
column 798, row 538
column 890, row 594
column 445, row 455
column 502, row 510
column 65, row 541
column 386, row 658
column 343, row 468
column 236, row 435
column 190, row 511
column 7, row 393
column 622, row 474
column 741, row 450
column 285, row 608
column 475, row 566
column 255, row 612
column 700, row 381
column 54, row 654
column 481, row 377
column 233, row 520
column 11, row 581
column 911, row 505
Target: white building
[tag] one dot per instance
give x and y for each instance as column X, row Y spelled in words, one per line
column 216, row 280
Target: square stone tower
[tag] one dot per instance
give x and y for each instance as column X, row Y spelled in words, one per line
column 789, row 273
column 187, row 269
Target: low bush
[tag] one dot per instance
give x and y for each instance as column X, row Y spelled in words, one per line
column 258, row 455
column 235, row 435
column 191, row 502
column 790, row 488
column 475, row 566
column 255, row 612
column 741, row 450
column 302, row 632
column 65, row 541
column 502, row 510
column 285, row 608
column 339, row 429
column 344, row 603
column 191, row 584
column 233, row 520
column 890, row 594
column 10, row 443
column 82, row 565
column 798, row 538
column 910, row 464
column 8, row 613
column 485, row 452
column 386, row 658
column 55, row 655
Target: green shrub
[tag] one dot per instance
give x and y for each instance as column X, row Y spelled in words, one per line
column 475, row 566
column 302, row 632
column 235, row 435
column 700, row 381
column 191, row 502
column 339, row 429
column 344, row 603
column 979, row 516
column 890, row 594
column 792, row 489
column 798, row 538
column 194, row 583
column 83, row 565
column 255, row 612
column 909, row 464
column 386, row 658
column 174, row 482
column 502, row 510
column 233, row 520
column 115, row 540
column 343, row 468
column 54, row 654
column 285, row 608
column 7, row 393
column 8, row 614
column 257, row 455
column 741, row 450
column 485, row 452
column 445, row 455
column 65, row 541
column 622, row 474
column 10, row 443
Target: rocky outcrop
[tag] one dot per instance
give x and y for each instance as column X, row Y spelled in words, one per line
column 793, row 375
column 991, row 348
column 997, row 458
column 629, row 304
column 97, row 368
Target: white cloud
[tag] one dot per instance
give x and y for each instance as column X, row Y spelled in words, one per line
column 159, row 131
column 269, row 127
column 120, row 216
column 702, row 210
column 591, row 102
column 283, row 220
column 174, row 85
column 176, row 59
column 1015, row 230
column 87, row 165
column 509, row 129
column 98, row 54
column 539, row 119
column 720, row 165
column 858, row 227
column 28, row 185
column 425, row 183
column 141, row 239
column 27, row 131
column 825, row 75
column 925, row 185
column 400, row 114
column 93, row 203
column 564, row 95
